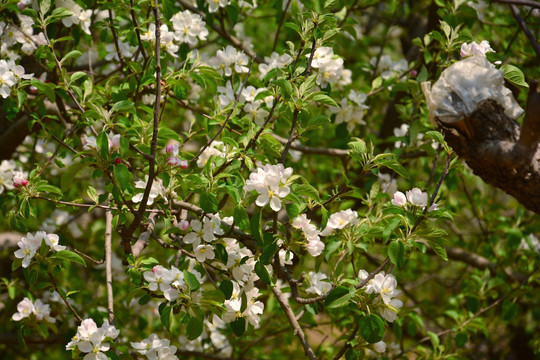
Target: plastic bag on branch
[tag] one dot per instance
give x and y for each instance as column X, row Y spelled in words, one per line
column 463, row 86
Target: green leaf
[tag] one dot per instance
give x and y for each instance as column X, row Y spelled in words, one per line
column 123, row 176
column 255, row 226
column 164, row 133
column 59, row 13
column 336, row 294
column 191, row 281
column 69, row 256
column 123, row 105
column 165, row 316
column 262, row 272
column 226, row 288
column 437, row 244
column 322, row 98
column 238, row 326
column 241, row 218
column 514, row 75
column 49, row 189
column 396, row 252
column 285, row 87
column 209, row 202
column 435, row 341
column 66, row 180
column 44, row 6
column 45, row 88
column 372, row 328
column 76, row 76
column 396, row 166
column 306, row 190
column 461, row 339
column 194, row 328
column 74, row 54
column 268, row 253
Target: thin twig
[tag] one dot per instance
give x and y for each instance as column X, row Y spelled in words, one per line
column 108, row 265
column 526, row 30
column 294, row 323
column 280, row 24
column 530, row 3
column 53, row 282
column 236, row 99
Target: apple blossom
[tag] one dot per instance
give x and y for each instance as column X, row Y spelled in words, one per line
column 399, row 199
column 25, row 308
column 417, row 197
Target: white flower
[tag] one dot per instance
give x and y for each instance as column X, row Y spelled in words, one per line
column 157, row 190
column 315, row 247
column 318, row 286
column 203, row 252
column 229, row 59
column 89, row 142
column 226, row 94
column 211, row 150
column 205, row 230
column 94, row 347
column 379, row 347
column 270, row 182
column 285, row 257
column 387, row 183
column 531, row 243
column 159, row 278
column 274, row 61
column 155, row 348
column 53, row 241
column 28, row 247
column 340, row 220
column 7, row 168
column 475, row 49
column 43, row 311
column 389, row 311
column 7, row 79
column 399, row 199
column 24, row 309
column 400, row 132
column 214, row 5
column 188, row 27
column 114, row 141
column 417, row 197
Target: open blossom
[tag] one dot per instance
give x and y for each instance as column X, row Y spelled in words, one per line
column 274, row 61
column 330, row 68
column 188, row 27
column 10, row 75
column 28, row 247
column 24, row 309
column 314, row 246
column 7, row 169
column 340, row 220
column 388, row 67
column 214, row 5
column 157, row 190
column 53, row 241
column 270, row 182
column 228, row 60
column 385, row 286
column 417, row 197
column 475, row 49
column 318, row 285
column 399, row 199
column 155, row 348
column 93, row 340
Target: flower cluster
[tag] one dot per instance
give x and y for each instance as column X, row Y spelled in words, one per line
column 174, row 160
column 340, row 220
column 274, row 61
column 32, row 242
column 11, row 35
column 318, row 285
column 385, row 286
column 216, row 148
column 240, row 262
column 351, row 110
column 10, row 75
column 330, row 68
column 26, row 308
column 79, row 16
column 93, row 340
column 202, row 235
column 252, row 107
column 270, row 182
column 415, row 197
column 228, row 60
column 10, row 177
column 188, row 27
column 214, row 5
column 169, row 282
column 253, row 310
column 314, row 246
column 389, row 68
column 155, row 348
column 475, row 49
column 157, row 190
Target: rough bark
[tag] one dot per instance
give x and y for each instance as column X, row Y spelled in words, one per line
column 498, row 150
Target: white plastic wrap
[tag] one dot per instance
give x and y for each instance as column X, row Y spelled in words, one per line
column 465, row 84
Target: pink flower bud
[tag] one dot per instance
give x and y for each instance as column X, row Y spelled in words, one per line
column 169, row 149
column 173, row 161
column 19, row 180
column 21, row 5
column 184, row 164
column 183, row 225
column 413, row 73
column 118, row 161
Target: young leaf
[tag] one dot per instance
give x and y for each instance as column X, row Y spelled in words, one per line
column 371, row 328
